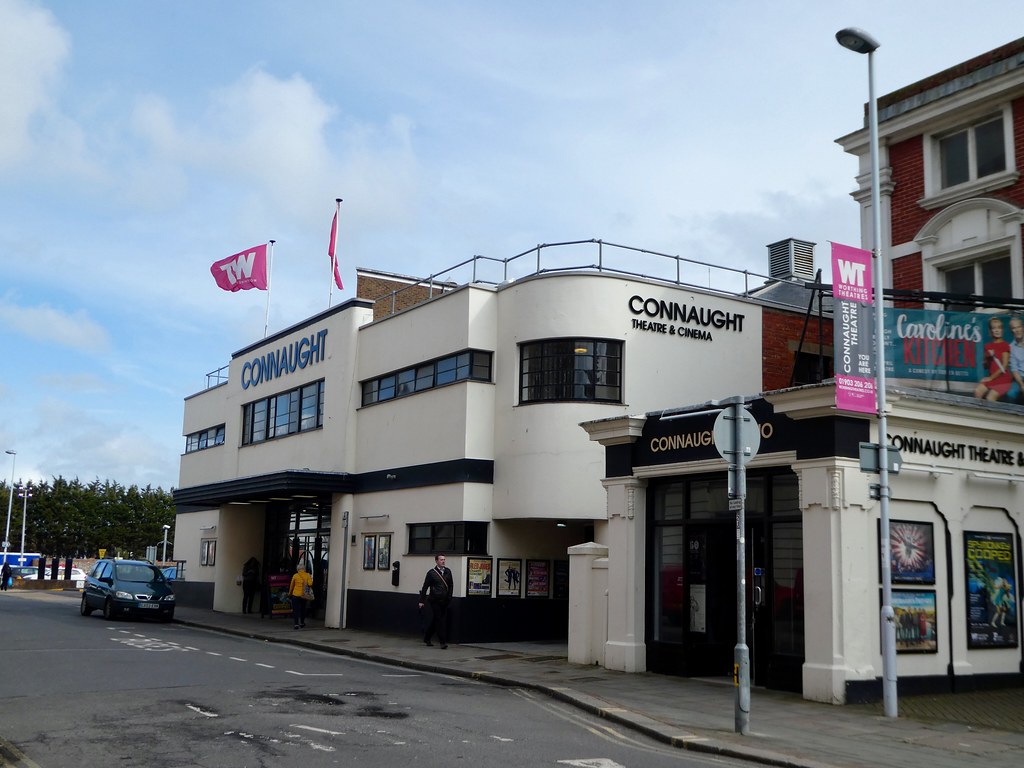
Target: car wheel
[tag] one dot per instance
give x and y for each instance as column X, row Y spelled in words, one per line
column 108, row 610
column 85, row 609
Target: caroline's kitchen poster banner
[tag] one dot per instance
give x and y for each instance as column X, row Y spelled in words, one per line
column 991, row 590
column 954, row 347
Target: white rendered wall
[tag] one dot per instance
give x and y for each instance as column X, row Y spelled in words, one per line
column 543, row 468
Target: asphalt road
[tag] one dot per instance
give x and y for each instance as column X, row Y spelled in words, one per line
column 85, row 691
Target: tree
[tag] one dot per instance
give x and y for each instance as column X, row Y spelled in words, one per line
column 69, row 519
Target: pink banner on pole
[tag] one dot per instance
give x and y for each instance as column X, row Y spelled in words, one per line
column 242, row 271
column 855, row 393
column 851, row 274
column 854, row 359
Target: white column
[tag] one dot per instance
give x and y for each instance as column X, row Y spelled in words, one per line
column 337, row 554
column 588, row 626
column 626, row 649
column 840, row 577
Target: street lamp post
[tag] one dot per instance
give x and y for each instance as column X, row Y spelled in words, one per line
column 25, row 494
column 859, row 41
column 10, row 500
column 166, row 529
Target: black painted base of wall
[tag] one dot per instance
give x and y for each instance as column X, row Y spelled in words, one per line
column 470, row 619
column 194, row 594
column 870, row 691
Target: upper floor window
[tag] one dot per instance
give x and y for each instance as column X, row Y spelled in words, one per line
column 973, row 247
column 972, row 152
column 471, row 365
column 297, row 410
column 206, row 438
column 570, row 369
column 969, row 160
column 985, row 277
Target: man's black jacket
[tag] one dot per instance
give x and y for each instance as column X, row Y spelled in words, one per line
column 438, row 584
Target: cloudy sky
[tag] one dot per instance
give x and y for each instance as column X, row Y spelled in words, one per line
column 142, row 141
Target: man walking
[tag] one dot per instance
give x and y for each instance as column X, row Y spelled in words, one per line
column 438, row 583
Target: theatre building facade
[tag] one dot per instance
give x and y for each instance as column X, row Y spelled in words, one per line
column 811, row 538
column 551, row 432
column 379, row 432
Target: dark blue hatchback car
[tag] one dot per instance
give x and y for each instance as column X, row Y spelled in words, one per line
column 129, row 588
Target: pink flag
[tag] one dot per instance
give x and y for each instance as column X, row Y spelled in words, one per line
column 332, row 252
column 242, row 271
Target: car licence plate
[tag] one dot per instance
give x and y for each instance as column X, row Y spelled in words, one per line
column 148, row 605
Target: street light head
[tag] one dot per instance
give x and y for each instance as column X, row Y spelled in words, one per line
column 167, row 527
column 857, row 40
column 12, row 453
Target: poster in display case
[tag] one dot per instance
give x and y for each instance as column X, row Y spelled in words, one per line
column 538, row 578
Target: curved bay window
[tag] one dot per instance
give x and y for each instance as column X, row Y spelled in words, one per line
column 589, row 370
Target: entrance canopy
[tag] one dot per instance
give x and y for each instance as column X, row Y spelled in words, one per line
column 288, row 485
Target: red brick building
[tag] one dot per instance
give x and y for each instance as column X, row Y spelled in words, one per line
column 950, row 152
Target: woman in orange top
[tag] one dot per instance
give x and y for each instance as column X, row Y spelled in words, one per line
column 296, row 591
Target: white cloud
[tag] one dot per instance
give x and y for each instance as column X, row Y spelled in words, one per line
column 74, row 442
column 45, row 323
column 33, row 50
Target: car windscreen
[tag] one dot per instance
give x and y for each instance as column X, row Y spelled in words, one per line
column 140, row 573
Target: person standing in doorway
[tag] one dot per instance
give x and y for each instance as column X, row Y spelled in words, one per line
column 297, row 592
column 250, row 583
column 437, row 588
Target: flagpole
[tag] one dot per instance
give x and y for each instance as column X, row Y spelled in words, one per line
column 270, row 271
column 334, row 248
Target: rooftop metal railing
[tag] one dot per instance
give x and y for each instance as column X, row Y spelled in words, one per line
column 575, row 256
column 213, row 378
column 597, row 255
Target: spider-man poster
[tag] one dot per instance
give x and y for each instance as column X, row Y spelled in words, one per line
column 911, row 552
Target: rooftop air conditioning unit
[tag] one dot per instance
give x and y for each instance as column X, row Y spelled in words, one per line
column 791, row 259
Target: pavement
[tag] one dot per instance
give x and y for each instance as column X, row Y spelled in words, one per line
column 945, row 731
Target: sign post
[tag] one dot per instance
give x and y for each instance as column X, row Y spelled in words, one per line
column 737, row 438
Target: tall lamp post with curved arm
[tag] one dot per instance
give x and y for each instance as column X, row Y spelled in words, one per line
column 859, row 41
column 10, row 501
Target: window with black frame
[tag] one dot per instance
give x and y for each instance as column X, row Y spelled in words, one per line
column 465, row 538
column 296, row 410
column 580, row 369
column 469, row 365
column 207, row 438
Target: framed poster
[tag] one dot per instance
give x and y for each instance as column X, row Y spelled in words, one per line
column 383, row 551
column 991, row 590
column 538, row 578
column 208, row 552
column 560, row 579
column 911, row 552
column 478, row 577
column 914, row 616
column 509, row 576
column 369, row 552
